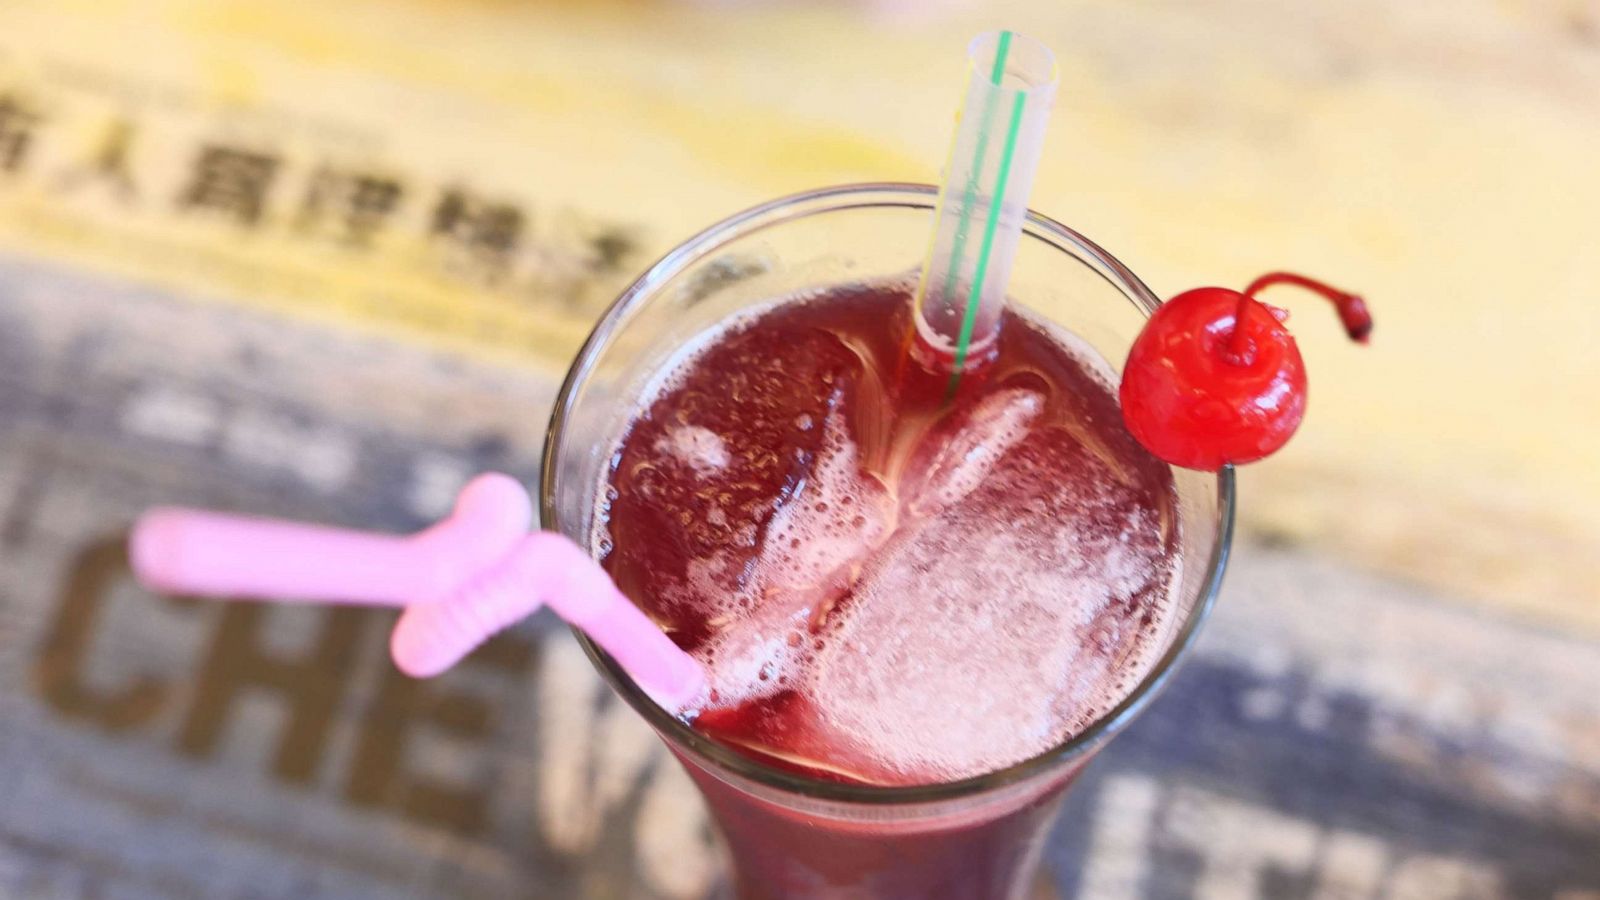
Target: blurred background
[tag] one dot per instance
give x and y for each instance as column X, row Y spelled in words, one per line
column 329, row 260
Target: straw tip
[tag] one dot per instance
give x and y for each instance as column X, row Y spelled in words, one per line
column 418, row 659
column 155, row 548
column 428, row 640
column 497, row 499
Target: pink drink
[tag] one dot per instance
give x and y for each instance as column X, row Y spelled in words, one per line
column 888, row 586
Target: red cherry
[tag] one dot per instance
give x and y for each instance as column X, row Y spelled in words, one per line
column 1214, row 378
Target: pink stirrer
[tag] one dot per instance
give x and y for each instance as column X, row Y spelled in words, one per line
column 460, row 581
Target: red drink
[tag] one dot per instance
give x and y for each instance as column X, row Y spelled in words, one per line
column 889, row 585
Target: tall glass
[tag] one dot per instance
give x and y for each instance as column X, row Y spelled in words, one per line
column 796, row 837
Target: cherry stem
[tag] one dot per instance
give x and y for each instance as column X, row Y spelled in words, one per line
column 1351, row 308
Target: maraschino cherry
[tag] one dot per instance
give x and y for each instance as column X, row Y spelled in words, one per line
column 1215, row 378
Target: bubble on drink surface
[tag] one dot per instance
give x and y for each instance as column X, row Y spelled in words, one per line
column 996, row 599
column 713, row 459
column 809, row 558
column 701, row 449
column 1008, row 575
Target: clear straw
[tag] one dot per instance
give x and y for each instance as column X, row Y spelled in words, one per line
column 984, row 198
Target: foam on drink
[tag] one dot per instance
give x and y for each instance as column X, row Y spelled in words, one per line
column 886, row 587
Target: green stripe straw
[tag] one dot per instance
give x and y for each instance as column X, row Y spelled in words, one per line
column 989, row 228
column 962, row 315
column 996, row 73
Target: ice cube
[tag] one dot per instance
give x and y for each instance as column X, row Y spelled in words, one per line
column 992, row 629
column 953, row 458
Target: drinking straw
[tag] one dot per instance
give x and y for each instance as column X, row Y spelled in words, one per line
column 459, row 581
column 983, row 199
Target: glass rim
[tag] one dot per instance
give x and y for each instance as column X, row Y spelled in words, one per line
column 723, row 758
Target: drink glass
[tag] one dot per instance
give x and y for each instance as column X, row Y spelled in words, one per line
column 789, row 835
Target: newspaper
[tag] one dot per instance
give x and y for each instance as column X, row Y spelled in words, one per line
column 1336, row 735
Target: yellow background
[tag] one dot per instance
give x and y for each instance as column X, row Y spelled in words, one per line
column 1438, row 157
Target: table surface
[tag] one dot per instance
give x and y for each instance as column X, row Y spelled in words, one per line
column 236, row 271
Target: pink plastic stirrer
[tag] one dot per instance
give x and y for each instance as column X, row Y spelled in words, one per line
column 460, row 581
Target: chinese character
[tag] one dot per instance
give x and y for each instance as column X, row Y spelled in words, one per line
column 17, row 123
column 231, row 181
column 484, row 234
column 349, row 205
column 576, row 259
column 109, row 163
column 613, row 249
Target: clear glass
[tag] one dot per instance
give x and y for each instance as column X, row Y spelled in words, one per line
column 791, row 836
